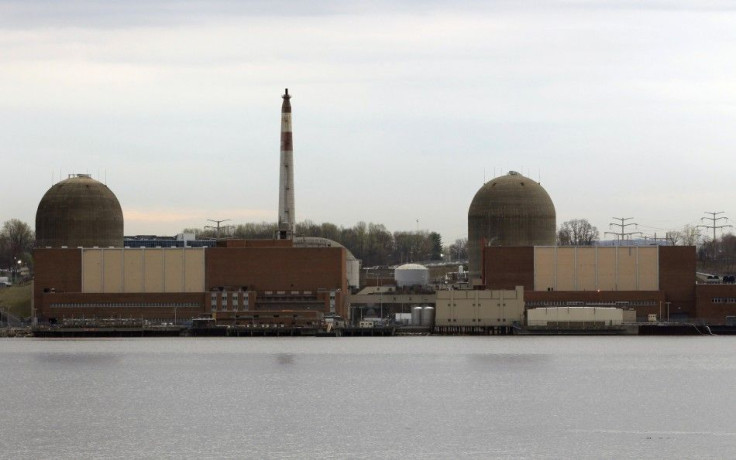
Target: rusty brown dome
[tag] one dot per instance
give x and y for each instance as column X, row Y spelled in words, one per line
column 510, row 210
column 79, row 211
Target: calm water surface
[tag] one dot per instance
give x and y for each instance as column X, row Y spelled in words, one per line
column 399, row 397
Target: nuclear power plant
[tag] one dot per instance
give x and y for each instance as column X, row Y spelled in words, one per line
column 89, row 278
column 84, row 274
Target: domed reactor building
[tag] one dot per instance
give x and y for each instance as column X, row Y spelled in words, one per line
column 510, row 210
column 79, row 212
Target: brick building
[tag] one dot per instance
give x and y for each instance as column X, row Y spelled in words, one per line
column 239, row 279
column 649, row 279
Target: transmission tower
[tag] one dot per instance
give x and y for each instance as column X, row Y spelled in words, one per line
column 622, row 225
column 217, row 229
column 714, row 225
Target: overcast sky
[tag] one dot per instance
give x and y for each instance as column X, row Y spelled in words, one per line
column 401, row 109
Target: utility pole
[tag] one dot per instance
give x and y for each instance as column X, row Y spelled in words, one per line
column 622, row 226
column 714, row 220
column 217, row 229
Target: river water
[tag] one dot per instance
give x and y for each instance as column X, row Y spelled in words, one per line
column 372, row 397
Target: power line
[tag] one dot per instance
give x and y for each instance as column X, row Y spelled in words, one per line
column 654, row 238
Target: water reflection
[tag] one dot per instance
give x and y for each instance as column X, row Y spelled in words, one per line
column 79, row 358
column 508, row 358
column 285, row 358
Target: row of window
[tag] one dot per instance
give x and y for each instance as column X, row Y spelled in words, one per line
column 224, row 307
column 723, row 300
column 127, row 304
column 575, row 303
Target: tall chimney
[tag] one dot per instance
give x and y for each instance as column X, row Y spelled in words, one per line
column 286, row 176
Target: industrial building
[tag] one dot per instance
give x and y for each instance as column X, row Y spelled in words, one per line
column 169, row 284
column 512, row 243
column 479, row 311
column 386, row 294
column 85, row 268
column 647, row 279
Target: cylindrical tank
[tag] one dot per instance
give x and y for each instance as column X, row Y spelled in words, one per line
column 510, row 210
column 428, row 317
column 411, row 275
column 79, row 211
column 416, row 316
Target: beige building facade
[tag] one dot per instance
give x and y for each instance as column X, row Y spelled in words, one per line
column 618, row 268
column 570, row 316
column 479, row 308
column 143, row 270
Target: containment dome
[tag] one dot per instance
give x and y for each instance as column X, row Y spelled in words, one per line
column 510, row 210
column 352, row 265
column 411, row 275
column 79, row 211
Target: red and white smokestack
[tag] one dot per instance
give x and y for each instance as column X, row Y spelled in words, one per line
column 286, row 176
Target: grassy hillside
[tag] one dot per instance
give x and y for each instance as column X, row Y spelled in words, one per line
column 17, row 300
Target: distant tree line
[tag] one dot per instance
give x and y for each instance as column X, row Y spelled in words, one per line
column 580, row 232
column 372, row 243
column 718, row 256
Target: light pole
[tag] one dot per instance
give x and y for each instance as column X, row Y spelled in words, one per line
column 380, row 294
column 16, row 269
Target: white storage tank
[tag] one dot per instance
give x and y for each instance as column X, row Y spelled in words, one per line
column 416, row 316
column 411, row 275
column 428, row 317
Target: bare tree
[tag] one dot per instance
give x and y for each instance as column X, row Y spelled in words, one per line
column 673, row 237
column 459, row 249
column 577, row 232
column 16, row 243
column 690, row 235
